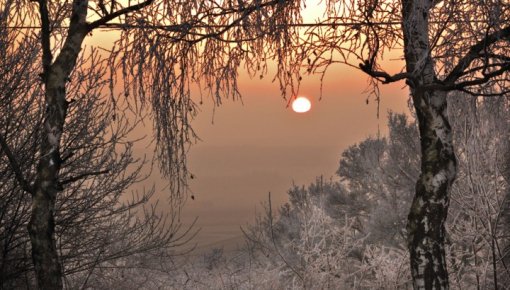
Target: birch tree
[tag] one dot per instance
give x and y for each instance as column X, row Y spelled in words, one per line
column 164, row 47
column 475, row 228
column 96, row 220
column 445, row 46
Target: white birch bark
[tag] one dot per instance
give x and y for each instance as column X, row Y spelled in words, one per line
column 425, row 229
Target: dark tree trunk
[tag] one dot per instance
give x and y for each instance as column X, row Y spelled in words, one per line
column 41, row 227
column 425, row 228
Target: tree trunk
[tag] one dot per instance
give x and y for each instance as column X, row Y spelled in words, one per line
column 425, row 228
column 41, row 227
column 46, row 186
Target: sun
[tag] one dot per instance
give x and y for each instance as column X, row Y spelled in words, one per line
column 301, row 105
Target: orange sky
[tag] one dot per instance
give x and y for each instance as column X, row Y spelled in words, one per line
column 261, row 146
column 264, row 146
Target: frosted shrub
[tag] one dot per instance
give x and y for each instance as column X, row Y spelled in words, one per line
column 325, row 248
column 388, row 268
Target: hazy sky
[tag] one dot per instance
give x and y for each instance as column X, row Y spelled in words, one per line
column 262, row 146
column 259, row 145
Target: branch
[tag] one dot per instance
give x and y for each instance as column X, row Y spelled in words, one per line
column 15, row 166
column 474, row 53
column 483, row 80
column 246, row 12
column 382, row 76
column 185, row 27
column 104, row 20
column 83, row 175
column 445, row 86
column 276, row 246
column 45, row 38
column 481, row 94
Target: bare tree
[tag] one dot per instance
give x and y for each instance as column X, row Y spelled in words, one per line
column 475, row 228
column 446, row 46
column 164, row 47
column 95, row 222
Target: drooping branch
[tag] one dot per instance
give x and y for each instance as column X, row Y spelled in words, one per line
column 186, row 28
column 246, row 12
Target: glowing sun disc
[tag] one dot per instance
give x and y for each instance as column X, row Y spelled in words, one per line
column 301, row 105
